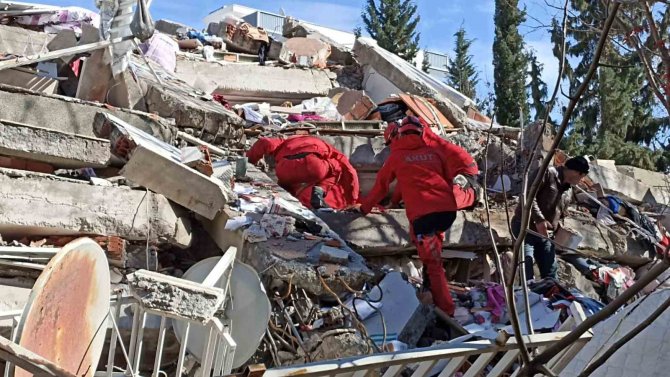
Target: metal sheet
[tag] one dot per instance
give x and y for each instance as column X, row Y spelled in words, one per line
column 65, row 320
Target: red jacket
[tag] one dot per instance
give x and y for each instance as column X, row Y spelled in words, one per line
column 423, row 178
column 458, row 160
column 280, row 148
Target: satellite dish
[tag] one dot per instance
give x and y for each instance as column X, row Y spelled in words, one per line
column 65, row 319
column 282, row 12
column 248, row 313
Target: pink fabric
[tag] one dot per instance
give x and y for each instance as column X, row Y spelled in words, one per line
column 305, row 117
column 162, row 49
column 67, row 18
column 496, row 300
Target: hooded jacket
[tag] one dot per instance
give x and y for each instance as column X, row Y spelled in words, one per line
column 423, row 177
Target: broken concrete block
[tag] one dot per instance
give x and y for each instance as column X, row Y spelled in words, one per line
column 97, row 84
column 181, row 184
column 56, row 148
column 35, row 204
column 64, row 39
column 333, row 255
column 175, row 99
column 387, row 73
column 305, row 52
column 169, row 27
column 70, row 115
column 174, row 296
column 354, row 104
column 241, row 83
column 158, row 167
column 621, row 185
column 22, row 42
column 24, row 78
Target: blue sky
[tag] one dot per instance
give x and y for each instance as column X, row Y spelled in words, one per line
column 439, row 21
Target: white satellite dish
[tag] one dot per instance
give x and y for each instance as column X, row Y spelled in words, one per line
column 248, row 314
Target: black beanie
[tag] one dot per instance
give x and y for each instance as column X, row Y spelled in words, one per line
column 579, row 164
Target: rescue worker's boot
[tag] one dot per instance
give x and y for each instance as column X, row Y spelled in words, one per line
column 429, row 248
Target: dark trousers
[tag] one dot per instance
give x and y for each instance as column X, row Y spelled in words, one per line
column 537, row 250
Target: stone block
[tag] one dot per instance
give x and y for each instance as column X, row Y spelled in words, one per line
column 174, row 296
column 241, row 83
column 35, row 204
column 70, row 115
column 56, row 148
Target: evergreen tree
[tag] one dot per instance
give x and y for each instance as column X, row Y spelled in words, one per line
column 509, row 64
column 393, row 24
column 615, row 117
column 537, row 87
column 461, row 73
column 358, row 32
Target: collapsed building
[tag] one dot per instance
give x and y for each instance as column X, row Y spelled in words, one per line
column 140, row 149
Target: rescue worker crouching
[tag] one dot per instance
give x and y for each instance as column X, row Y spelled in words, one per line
column 311, row 170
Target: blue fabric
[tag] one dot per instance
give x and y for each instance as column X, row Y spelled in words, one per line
column 614, row 203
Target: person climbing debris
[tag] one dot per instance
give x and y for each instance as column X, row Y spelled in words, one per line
column 549, row 207
column 425, row 175
column 311, row 170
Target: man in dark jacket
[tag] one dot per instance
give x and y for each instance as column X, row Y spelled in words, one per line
column 548, row 209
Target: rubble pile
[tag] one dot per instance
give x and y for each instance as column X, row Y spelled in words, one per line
column 144, row 154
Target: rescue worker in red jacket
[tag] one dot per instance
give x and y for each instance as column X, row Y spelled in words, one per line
column 311, row 170
column 423, row 176
column 460, row 163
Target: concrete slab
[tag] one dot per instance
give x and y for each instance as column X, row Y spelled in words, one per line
column 59, row 149
column 189, row 107
column 619, row 184
column 24, row 78
column 405, row 77
column 36, row 204
column 388, row 233
column 240, row 83
column 169, row 26
column 648, row 177
column 158, row 166
column 69, row 115
column 21, row 42
column 178, row 182
column 340, row 53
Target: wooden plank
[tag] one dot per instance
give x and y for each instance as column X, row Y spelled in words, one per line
column 424, row 368
column 504, row 363
column 482, row 362
column 393, row 370
column 454, row 365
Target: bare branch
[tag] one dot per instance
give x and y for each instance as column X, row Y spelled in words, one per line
column 525, row 215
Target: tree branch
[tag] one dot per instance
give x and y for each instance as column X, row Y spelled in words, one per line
column 525, row 215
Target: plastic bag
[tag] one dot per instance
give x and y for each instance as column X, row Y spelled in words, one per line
column 142, row 25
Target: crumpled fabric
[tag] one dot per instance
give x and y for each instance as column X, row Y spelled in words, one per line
column 69, row 18
column 495, row 295
column 162, row 49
